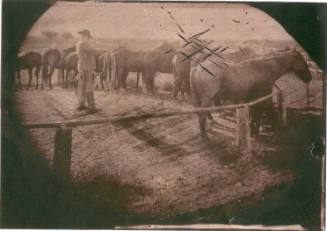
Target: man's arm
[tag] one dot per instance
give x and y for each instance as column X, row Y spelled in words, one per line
column 87, row 48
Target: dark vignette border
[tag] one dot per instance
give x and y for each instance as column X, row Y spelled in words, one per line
column 306, row 22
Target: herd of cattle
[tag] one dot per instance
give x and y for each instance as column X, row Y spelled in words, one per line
column 209, row 74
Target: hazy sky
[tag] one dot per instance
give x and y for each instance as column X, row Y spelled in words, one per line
column 149, row 20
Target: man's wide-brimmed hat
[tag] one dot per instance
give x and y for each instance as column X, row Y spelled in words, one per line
column 85, row 32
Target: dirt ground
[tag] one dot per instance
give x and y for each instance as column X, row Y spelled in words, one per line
column 164, row 164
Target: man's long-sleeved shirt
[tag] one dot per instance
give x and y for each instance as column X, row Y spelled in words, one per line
column 86, row 56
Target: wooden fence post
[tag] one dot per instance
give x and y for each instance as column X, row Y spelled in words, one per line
column 243, row 128
column 62, row 152
column 282, row 109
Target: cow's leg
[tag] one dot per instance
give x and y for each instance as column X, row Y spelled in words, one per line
column 102, row 80
column 177, row 86
column 69, row 77
column 42, row 82
column 187, row 87
column 271, row 113
column 150, row 82
column 37, row 74
column 44, row 74
column 117, row 79
column 75, row 80
column 50, row 77
column 37, row 81
column 61, row 78
column 201, row 117
column 258, row 112
column 19, row 81
column 96, row 80
column 202, row 123
column 137, row 79
column 50, row 82
column 205, row 102
column 123, row 79
column 108, row 78
column 265, row 109
column 182, row 89
column 216, row 102
column 29, row 77
column 145, row 80
column 255, row 123
column 66, row 78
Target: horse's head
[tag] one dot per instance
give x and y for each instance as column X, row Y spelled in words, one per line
column 300, row 67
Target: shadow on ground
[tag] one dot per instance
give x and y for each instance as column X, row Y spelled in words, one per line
column 33, row 197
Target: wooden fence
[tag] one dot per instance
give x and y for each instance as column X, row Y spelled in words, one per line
column 63, row 140
column 63, row 135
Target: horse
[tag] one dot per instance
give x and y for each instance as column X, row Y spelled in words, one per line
column 51, row 61
column 157, row 60
column 181, row 71
column 243, row 81
column 104, row 69
column 191, row 55
column 124, row 61
column 70, row 65
column 182, row 62
column 29, row 61
column 67, row 63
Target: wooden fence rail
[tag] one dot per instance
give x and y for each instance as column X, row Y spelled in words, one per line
column 75, row 123
column 63, row 136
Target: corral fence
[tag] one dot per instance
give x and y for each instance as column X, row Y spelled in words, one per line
column 242, row 136
column 63, row 137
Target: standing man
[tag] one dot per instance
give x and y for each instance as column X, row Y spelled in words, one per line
column 86, row 65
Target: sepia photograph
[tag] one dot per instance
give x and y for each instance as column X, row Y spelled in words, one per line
column 163, row 115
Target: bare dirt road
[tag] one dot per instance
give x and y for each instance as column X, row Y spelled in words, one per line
column 164, row 164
